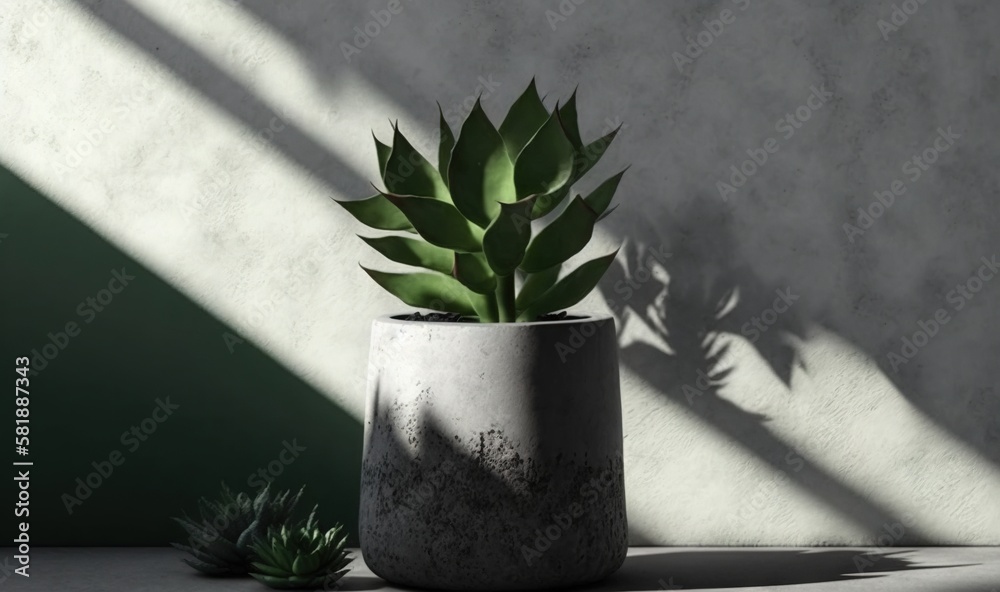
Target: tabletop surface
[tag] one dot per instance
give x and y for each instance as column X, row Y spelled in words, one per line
column 824, row 569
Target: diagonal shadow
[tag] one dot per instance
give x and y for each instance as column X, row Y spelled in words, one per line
column 755, row 294
column 719, row 568
column 232, row 97
column 438, row 496
column 388, row 63
column 384, row 68
column 687, row 315
column 237, row 410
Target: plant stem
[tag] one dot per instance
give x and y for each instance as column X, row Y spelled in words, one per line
column 490, row 315
column 505, row 298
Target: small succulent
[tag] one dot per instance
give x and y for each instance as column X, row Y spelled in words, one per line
column 468, row 221
column 300, row 556
column 220, row 540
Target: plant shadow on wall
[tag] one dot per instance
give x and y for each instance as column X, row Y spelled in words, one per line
column 956, row 386
column 709, row 292
column 142, row 400
column 973, row 424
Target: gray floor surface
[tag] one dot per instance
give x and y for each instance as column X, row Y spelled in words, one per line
column 929, row 569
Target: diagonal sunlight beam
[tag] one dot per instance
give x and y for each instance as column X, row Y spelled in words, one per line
column 162, row 169
column 336, row 111
column 230, row 95
column 734, row 423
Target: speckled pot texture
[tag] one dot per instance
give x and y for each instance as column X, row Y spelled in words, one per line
column 493, row 454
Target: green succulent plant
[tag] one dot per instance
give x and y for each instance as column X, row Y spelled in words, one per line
column 301, row 556
column 220, row 540
column 468, row 221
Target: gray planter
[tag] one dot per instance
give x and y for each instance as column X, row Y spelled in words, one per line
column 493, row 454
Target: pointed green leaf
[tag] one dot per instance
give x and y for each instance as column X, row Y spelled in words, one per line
column 269, row 570
column 534, row 286
column 600, row 198
column 272, row 581
column 425, row 290
column 585, row 158
column 568, row 119
column 445, row 146
column 304, row 565
column 376, row 211
column 506, row 238
column 525, row 118
column 407, row 172
column 550, row 201
column 439, row 222
column 607, row 212
column 382, row 151
column 588, row 156
column 562, row 238
column 480, row 173
column 571, row 289
column 546, row 162
column 410, row 251
column 473, row 272
column 264, row 552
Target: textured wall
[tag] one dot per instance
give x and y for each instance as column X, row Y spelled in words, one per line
column 770, row 397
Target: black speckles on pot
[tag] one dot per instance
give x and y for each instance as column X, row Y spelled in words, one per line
column 511, row 521
column 493, row 461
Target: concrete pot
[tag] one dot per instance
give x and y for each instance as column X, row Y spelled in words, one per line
column 493, row 454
